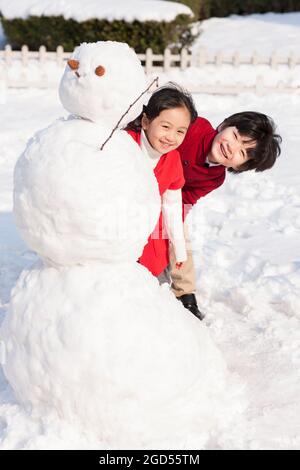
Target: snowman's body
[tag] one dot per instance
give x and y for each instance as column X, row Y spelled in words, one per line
column 90, row 334
column 76, row 204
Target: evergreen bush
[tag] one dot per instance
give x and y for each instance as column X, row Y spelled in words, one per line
column 52, row 31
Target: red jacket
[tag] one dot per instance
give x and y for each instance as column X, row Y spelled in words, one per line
column 199, row 178
column 169, row 175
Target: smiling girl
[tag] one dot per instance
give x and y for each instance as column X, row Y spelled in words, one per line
column 159, row 130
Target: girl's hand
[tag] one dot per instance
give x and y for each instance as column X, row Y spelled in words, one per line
column 179, row 265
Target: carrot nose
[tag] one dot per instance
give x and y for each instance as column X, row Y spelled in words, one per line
column 73, row 64
column 100, row 70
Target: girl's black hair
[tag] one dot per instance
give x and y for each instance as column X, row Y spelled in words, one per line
column 167, row 97
column 259, row 129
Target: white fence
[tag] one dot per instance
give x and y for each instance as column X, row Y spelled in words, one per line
column 153, row 63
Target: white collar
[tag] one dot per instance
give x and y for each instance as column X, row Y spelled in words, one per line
column 211, row 163
column 148, row 149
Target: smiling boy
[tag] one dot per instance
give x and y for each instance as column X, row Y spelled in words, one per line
column 244, row 141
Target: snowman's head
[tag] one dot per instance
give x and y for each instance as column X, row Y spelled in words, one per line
column 101, row 81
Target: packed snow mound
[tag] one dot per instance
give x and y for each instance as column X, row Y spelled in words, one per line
column 107, row 97
column 75, row 204
column 129, row 365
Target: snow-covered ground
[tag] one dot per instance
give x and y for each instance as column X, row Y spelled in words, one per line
column 264, row 33
column 247, row 252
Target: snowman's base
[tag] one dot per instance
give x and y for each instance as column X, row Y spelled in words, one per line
column 117, row 355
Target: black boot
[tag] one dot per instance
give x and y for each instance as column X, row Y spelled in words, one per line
column 189, row 301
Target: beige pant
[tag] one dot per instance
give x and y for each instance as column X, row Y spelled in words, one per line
column 184, row 279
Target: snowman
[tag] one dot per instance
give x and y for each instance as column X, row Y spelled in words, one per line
column 91, row 338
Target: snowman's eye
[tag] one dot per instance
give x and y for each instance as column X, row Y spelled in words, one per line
column 100, row 70
column 73, row 64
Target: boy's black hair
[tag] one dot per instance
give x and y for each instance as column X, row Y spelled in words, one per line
column 260, row 129
column 167, row 97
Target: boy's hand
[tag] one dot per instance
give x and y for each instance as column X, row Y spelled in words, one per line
column 179, row 265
